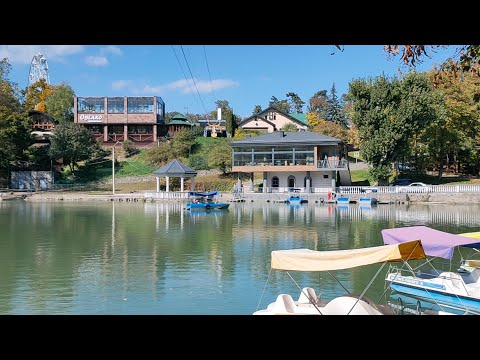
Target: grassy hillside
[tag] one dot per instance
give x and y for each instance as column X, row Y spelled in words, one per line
column 128, row 169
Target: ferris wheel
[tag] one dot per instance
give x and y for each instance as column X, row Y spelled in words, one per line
column 38, row 69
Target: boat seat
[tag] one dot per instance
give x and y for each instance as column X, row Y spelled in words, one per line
column 342, row 305
column 284, row 305
column 455, row 279
column 308, row 296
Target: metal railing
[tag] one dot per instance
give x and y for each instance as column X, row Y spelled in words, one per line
column 445, row 189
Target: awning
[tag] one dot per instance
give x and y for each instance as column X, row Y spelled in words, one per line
column 311, row 260
column 435, row 242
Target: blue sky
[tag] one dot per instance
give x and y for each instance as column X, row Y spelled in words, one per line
column 245, row 75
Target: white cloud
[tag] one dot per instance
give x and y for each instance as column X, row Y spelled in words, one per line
column 183, row 86
column 96, row 60
column 114, row 50
column 120, row 84
column 23, row 54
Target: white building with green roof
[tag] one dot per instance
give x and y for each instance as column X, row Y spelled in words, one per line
column 272, row 119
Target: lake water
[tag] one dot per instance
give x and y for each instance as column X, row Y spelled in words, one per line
column 157, row 258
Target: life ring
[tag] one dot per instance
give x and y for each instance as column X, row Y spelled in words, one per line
column 207, row 206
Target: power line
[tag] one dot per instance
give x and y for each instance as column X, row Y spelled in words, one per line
column 184, row 75
column 208, row 68
column 194, row 83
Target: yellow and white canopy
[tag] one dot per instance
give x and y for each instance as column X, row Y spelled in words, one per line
column 311, row 260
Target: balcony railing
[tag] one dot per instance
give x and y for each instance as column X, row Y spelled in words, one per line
column 140, row 137
column 321, row 164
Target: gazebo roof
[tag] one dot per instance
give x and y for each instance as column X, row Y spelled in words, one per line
column 179, row 117
column 180, row 122
column 175, row 169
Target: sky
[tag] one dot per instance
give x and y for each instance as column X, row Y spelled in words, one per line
column 244, row 75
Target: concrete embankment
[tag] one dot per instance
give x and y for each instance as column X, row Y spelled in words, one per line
column 443, row 198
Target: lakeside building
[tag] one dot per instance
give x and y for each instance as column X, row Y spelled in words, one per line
column 272, row 119
column 303, row 161
column 112, row 119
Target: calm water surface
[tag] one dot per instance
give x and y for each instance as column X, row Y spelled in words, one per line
column 157, row 258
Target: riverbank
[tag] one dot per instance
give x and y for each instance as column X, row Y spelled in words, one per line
column 437, row 198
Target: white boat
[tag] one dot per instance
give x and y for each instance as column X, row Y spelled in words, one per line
column 457, row 291
column 309, row 303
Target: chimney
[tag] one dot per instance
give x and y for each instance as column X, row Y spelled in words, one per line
column 219, row 114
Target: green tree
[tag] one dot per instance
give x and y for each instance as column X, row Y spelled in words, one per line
column 281, row 105
column 15, row 125
column 59, row 103
column 73, row 143
column 182, row 142
column 388, row 114
column 335, row 112
column 159, row 155
column 15, row 137
column 289, row 127
column 220, row 156
column 36, row 94
column 295, row 102
column 452, row 138
column 256, row 109
column 231, row 124
column 318, row 104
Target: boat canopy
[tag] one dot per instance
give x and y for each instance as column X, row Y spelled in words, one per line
column 312, row 260
column 435, row 242
column 204, row 194
column 475, row 235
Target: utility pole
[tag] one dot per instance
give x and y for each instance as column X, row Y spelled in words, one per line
column 113, row 167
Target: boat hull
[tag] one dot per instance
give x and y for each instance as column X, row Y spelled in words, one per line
column 343, row 200
column 434, row 293
column 210, row 206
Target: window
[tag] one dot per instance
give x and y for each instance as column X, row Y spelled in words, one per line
column 115, row 105
column 271, row 116
column 325, row 176
column 96, row 129
column 115, row 129
column 140, row 129
column 140, row 105
column 275, row 182
column 291, row 181
column 90, row 105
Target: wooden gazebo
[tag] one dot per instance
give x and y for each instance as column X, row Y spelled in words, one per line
column 175, row 169
column 177, row 123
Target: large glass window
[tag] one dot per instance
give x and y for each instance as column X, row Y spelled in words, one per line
column 160, row 110
column 115, row 129
column 115, row 105
column 140, row 105
column 242, row 159
column 140, row 129
column 90, row 105
column 96, row 129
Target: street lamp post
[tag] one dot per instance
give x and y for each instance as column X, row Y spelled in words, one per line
column 113, row 167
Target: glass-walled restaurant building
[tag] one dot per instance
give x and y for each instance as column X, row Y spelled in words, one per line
column 113, row 119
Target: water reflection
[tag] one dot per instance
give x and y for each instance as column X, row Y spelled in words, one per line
column 142, row 258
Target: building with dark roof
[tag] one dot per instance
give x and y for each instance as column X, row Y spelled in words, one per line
column 303, row 160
